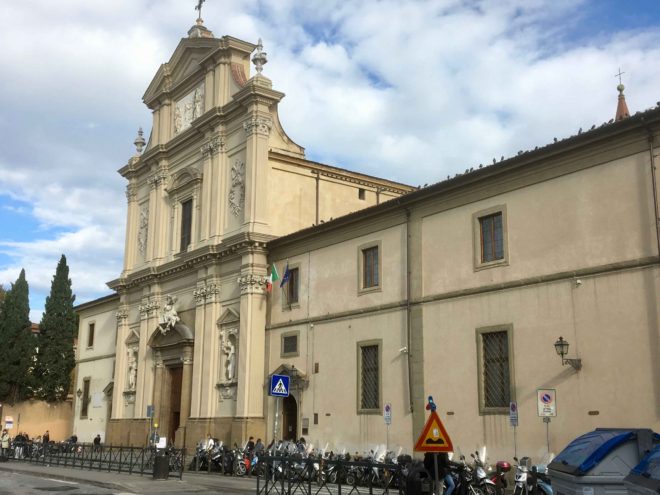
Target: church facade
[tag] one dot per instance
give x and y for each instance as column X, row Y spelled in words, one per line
column 459, row 290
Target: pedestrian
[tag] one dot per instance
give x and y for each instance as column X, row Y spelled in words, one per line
column 97, row 443
column 259, row 446
column 250, row 445
column 4, row 443
column 45, row 440
column 19, row 442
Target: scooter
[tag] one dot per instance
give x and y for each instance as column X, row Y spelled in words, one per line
column 481, row 479
column 531, row 479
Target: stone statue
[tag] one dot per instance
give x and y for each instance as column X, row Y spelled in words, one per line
column 230, row 360
column 132, row 369
column 178, row 120
column 169, row 317
column 197, row 104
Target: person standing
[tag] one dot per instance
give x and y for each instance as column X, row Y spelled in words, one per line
column 45, row 440
column 4, row 443
column 97, row 443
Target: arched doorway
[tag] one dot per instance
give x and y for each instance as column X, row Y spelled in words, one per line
column 289, row 418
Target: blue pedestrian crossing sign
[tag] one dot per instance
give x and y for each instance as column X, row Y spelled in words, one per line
column 279, row 385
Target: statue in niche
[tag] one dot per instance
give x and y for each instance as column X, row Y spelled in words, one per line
column 143, row 232
column 132, row 369
column 169, row 317
column 197, row 104
column 178, row 119
column 230, row 359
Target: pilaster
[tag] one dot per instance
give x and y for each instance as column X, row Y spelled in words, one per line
column 132, row 221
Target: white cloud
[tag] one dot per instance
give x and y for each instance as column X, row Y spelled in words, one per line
column 412, row 91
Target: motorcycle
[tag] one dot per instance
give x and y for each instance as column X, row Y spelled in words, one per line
column 481, row 479
column 499, row 476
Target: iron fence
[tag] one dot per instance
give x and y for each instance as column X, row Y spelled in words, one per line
column 291, row 476
column 110, row 458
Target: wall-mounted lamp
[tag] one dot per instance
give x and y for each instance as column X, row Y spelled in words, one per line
column 561, row 346
column 79, row 393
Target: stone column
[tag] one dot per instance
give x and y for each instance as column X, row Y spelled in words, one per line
column 132, row 221
column 186, row 392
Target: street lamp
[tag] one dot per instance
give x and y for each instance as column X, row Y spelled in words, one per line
column 561, row 346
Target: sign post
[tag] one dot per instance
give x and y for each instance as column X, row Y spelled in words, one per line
column 513, row 421
column 547, row 408
column 387, row 416
column 434, row 439
column 279, row 387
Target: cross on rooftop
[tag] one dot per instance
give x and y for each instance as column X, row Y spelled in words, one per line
column 619, row 75
column 199, row 8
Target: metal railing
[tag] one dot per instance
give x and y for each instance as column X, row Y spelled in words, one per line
column 110, row 458
column 291, row 476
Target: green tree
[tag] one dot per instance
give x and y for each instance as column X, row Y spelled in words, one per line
column 18, row 346
column 56, row 358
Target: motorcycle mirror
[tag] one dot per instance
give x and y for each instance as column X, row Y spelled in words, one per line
column 516, row 459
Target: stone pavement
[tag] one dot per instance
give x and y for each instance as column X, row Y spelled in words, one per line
column 136, row 484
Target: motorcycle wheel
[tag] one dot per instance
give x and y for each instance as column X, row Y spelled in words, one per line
column 321, row 478
column 333, row 477
column 518, row 490
column 241, row 469
column 490, row 490
column 350, row 479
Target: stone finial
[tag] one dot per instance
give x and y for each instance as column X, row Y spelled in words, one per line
column 260, row 58
column 139, row 141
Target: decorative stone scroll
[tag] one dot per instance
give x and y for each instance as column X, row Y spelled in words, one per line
column 206, row 292
column 213, row 146
column 252, row 284
column 146, row 308
column 237, row 191
column 143, row 230
column 131, row 192
column 122, row 314
column 157, row 178
column 258, row 125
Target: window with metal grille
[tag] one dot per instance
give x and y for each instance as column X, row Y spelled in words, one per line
column 495, row 369
column 186, row 224
column 90, row 335
column 290, row 344
column 292, row 286
column 85, row 398
column 492, row 237
column 370, row 276
column 369, row 378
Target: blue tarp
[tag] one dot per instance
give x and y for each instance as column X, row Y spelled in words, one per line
column 649, row 467
column 586, row 451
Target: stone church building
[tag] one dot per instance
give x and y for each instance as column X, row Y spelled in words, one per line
column 460, row 290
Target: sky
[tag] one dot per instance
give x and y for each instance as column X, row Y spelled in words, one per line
column 412, row 91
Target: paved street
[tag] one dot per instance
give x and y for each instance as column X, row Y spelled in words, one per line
column 23, row 484
column 24, row 478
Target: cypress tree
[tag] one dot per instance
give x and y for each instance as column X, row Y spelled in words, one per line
column 56, row 358
column 17, row 345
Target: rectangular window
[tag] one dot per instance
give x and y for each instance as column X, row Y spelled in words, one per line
column 90, row 335
column 492, row 238
column 290, row 344
column 361, row 194
column 369, row 377
column 292, row 286
column 85, row 398
column 495, row 370
column 186, row 224
column 370, row 275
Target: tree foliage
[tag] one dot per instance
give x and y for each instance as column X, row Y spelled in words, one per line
column 56, row 359
column 17, row 344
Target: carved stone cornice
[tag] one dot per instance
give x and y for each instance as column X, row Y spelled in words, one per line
column 258, row 125
column 252, row 284
column 207, row 255
column 213, row 146
column 122, row 314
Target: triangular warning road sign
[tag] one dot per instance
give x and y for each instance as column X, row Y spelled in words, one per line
column 280, row 388
column 434, row 437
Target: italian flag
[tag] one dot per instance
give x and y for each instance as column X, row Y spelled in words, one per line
column 272, row 277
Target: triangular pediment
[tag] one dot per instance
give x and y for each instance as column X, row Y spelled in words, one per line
column 185, row 61
column 133, row 338
column 228, row 317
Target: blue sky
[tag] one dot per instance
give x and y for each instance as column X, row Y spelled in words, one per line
column 409, row 90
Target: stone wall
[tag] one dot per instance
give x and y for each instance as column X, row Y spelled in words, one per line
column 35, row 417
